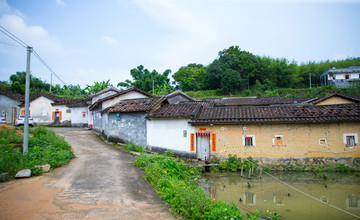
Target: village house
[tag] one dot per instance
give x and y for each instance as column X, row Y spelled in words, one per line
column 126, row 122
column 341, row 77
column 276, row 133
column 93, row 98
column 10, row 105
column 98, row 120
column 168, row 128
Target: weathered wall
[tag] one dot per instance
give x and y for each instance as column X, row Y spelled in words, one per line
column 334, row 101
column 77, row 117
column 129, row 127
column 10, row 108
column 130, row 95
column 97, row 121
column 41, row 110
column 169, row 134
column 299, row 140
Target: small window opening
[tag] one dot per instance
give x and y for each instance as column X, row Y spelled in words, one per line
column 68, row 110
column 185, row 133
column 322, row 141
column 248, row 141
column 350, row 141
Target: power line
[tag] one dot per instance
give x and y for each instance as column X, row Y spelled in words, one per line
column 300, row 191
column 13, row 45
column 22, row 43
column 47, row 66
column 16, row 39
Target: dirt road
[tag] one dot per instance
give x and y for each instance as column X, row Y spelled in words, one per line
column 101, row 183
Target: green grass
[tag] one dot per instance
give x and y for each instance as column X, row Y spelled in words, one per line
column 44, row 148
column 176, row 184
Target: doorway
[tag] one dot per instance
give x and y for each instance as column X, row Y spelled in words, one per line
column 203, row 146
column 57, row 118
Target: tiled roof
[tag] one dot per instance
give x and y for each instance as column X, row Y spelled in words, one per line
column 110, row 88
column 268, row 100
column 178, row 92
column 176, row 111
column 278, row 114
column 337, row 95
column 77, row 103
column 295, row 100
column 136, row 105
column 133, row 89
column 18, row 97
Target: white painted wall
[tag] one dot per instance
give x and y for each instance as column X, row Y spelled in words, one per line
column 41, row 110
column 129, row 95
column 77, row 116
column 168, row 133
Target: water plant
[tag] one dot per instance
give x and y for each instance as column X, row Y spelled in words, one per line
column 176, row 184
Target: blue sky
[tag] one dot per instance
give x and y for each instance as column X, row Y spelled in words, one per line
column 89, row 40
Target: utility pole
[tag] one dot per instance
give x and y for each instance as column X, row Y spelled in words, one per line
column 153, row 86
column 310, row 79
column 50, row 82
column 27, row 100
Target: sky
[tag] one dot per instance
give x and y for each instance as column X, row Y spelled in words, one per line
column 84, row 41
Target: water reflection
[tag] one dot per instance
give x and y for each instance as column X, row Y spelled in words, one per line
column 268, row 195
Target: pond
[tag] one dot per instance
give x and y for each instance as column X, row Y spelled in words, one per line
column 268, row 195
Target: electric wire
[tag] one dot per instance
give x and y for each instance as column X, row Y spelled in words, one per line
column 47, row 66
column 12, row 36
column 13, row 45
column 286, row 184
column 22, row 43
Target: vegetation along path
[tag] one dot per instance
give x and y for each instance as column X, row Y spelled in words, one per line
column 101, row 183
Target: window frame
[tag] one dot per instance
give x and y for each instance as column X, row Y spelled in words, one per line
column 356, row 139
column 278, row 136
column 252, row 139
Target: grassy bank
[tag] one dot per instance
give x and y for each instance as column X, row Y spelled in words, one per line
column 44, row 148
column 176, row 184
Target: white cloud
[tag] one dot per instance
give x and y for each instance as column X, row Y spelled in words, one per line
column 110, row 40
column 34, row 36
column 193, row 31
column 60, row 2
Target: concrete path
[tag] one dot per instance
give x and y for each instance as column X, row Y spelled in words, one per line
column 101, row 183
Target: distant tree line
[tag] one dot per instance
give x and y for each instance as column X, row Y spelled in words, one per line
column 238, row 70
column 233, row 71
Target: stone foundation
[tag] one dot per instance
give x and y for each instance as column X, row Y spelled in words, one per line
column 308, row 163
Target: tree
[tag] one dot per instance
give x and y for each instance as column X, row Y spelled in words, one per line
column 191, row 77
column 244, row 63
column 144, row 79
column 230, row 81
column 97, row 87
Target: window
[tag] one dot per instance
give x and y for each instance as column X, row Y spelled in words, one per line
column 278, row 141
column 322, row 141
column 185, row 133
column 249, row 140
column 68, row 110
column 350, row 140
column 84, row 114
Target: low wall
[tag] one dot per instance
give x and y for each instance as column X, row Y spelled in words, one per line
column 308, row 163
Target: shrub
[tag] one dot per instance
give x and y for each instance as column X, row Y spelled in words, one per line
column 176, row 184
column 44, row 148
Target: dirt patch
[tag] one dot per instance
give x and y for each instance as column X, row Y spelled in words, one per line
column 5, row 126
column 27, row 199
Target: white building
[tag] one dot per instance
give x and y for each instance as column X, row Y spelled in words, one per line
column 342, row 77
